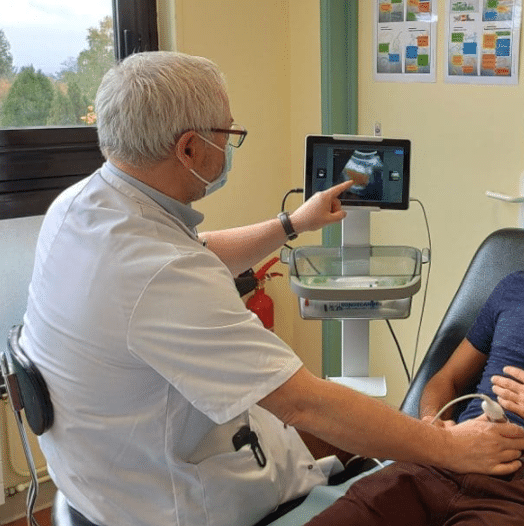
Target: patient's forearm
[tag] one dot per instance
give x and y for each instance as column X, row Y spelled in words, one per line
column 451, row 380
column 437, row 393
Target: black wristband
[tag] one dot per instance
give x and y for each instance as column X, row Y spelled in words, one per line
column 287, row 225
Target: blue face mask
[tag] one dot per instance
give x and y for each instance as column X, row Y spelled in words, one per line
column 221, row 180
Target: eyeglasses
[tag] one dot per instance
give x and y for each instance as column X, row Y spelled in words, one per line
column 236, row 133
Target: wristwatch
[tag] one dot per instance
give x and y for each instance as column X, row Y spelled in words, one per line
column 287, row 225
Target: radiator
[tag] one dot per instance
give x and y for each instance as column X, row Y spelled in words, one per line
column 15, row 452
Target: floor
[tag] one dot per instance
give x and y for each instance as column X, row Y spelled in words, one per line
column 43, row 517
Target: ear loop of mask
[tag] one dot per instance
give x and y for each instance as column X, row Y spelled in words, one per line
column 220, row 181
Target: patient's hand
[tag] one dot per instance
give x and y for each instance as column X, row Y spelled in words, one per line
column 510, row 391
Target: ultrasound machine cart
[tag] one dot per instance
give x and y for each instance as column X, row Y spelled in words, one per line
column 357, row 282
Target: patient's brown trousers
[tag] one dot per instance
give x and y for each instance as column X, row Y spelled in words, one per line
column 410, row 495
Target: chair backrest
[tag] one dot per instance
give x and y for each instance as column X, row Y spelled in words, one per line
column 500, row 254
column 27, row 391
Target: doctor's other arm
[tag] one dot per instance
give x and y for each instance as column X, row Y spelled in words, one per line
column 354, row 422
column 242, row 247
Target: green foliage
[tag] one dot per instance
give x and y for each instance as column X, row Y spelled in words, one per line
column 61, row 112
column 79, row 101
column 36, row 100
column 28, row 101
column 68, row 106
column 93, row 62
column 6, row 59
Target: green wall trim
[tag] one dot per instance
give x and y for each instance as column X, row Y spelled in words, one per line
column 339, row 105
column 339, row 65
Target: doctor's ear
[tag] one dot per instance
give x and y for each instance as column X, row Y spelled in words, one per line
column 185, row 148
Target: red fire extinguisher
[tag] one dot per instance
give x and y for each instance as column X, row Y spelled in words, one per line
column 260, row 303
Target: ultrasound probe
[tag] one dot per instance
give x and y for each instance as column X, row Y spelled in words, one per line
column 491, row 409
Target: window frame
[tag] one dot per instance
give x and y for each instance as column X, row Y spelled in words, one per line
column 36, row 164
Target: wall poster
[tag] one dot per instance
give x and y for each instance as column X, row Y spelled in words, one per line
column 405, row 40
column 483, row 41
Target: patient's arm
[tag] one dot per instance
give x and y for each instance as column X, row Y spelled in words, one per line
column 463, row 365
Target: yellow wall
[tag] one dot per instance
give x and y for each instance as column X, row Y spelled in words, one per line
column 270, row 53
column 466, row 140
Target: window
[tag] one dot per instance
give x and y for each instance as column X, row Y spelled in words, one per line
column 48, row 137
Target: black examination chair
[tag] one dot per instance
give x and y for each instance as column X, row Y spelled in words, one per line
column 501, row 253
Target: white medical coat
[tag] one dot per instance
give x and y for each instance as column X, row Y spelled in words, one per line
column 153, row 363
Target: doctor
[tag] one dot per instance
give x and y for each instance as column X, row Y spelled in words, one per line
column 173, row 405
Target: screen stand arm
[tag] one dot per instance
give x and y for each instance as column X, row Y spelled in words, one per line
column 356, row 229
column 355, row 332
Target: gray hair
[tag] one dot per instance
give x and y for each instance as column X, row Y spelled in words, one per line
column 148, row 100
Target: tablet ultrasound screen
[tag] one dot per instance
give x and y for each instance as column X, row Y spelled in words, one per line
column 379, row 168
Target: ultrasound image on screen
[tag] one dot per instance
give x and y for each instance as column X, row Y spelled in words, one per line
column 364, row 168
column 379, row 169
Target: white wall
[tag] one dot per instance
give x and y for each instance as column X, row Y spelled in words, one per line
column 466, row 140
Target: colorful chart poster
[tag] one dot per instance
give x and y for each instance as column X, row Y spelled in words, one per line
column 405, row 40
column 483, row 41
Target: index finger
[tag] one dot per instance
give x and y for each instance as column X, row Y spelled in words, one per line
column 336, row 190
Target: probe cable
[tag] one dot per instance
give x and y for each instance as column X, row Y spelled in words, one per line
column 492, row 409
column 292, row 191
column 399, row 350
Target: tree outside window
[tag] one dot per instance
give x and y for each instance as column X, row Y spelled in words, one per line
column 6, row 58
column 49, row 74
column 30, row 98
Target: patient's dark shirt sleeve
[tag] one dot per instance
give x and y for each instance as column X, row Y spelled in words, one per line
column 481, row 332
